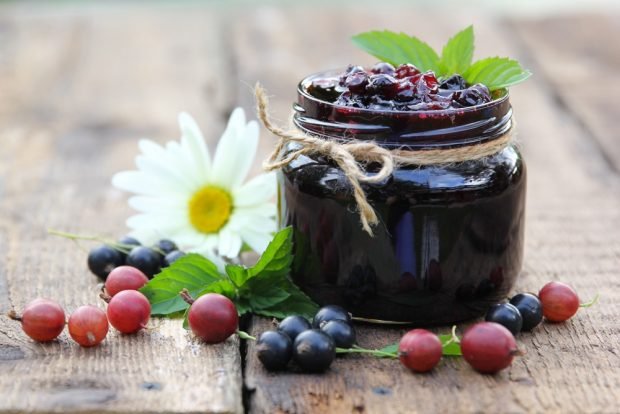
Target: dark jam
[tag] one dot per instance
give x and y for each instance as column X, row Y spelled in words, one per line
column 450, row 238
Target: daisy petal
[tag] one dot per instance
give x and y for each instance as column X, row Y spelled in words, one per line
column 151, row 148
column 140, row 183
column 194, row 143
column 235, row 151
column 164, row 223
column 164, row 172
column 260, row 210
column 229, row 244
column 158, row 204
column 258, row 190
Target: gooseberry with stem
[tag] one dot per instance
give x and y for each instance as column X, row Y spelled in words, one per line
column 42, row 319
column 128, row 311
column 211, row 317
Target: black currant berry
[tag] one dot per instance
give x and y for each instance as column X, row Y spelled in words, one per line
column 103, row 259
column 341, row 332
column 382, row 85
column 314, row 350
column 330, row 313
column 507, row 315
column 145, row 259
column 453, row 83
column 172, row 257
column 294, row 325
column 474, row 95
column 274, row 350
column 166, row 246
column 129, row 241
column 530, row 308
column 383, row 68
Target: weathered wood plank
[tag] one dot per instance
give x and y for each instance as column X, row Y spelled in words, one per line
column 573, row 234
column 81, row 89
column 580, row 60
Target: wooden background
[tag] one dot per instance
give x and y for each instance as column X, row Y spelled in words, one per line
column 81, row 83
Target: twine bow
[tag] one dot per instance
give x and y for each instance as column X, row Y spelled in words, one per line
column 350, row 156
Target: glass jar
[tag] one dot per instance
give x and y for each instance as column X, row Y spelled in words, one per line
column 450, row 238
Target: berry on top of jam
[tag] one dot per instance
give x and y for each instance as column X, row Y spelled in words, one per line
column 404, row 88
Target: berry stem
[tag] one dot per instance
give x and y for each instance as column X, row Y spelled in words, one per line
column 245, row 335
column 377, row 321
column 455, row 339
column 592, row 302
column 186, row 296
column 360, row 350
column 72, row 236
column 121, row 247
column 106, row 298
column 13, row 315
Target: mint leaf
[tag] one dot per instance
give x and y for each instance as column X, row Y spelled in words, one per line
column 192, row 272
column 264, row 288
column 223, row 287
column 457, row 54
column 264, row 292
column 237, row 274
column 398, row 48
column 496, row 73
column 277, row 257
column 298, row 303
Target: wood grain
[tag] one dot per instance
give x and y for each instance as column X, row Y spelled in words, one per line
column 573, row 197
column 80, row 85
column 579, row 59
column 82, row 89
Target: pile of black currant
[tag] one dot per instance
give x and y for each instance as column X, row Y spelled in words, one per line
column 405, row 88
column 311, row 345
column 128, row 251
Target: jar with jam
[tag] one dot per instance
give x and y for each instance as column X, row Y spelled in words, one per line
column 449, row 241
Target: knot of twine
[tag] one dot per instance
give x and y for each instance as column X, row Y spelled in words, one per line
column 351, row 156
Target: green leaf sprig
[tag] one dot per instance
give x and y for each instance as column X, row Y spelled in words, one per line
column 456, row 57
column 264, row 289
column 451, row 346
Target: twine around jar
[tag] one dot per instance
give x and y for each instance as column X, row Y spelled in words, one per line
column 350, row 156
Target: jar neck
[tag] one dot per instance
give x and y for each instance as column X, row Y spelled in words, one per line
column 399, row 129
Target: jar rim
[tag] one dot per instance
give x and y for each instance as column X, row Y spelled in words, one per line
column 403, row 129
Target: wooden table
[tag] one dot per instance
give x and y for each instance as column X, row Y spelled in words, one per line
column 80, row 84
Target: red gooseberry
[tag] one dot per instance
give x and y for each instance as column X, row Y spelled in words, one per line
column 488, row 347
column 125, row 278
column 88, row 325
column 129, row 311
column 213, row 317
column 559, row 301
column 42, row 319
column 420, row 350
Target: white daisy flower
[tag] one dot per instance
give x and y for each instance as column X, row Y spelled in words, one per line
column 203, row 205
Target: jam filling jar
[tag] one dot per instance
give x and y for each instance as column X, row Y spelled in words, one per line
column 449, row 242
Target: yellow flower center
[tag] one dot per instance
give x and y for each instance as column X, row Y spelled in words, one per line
column 209, row 209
